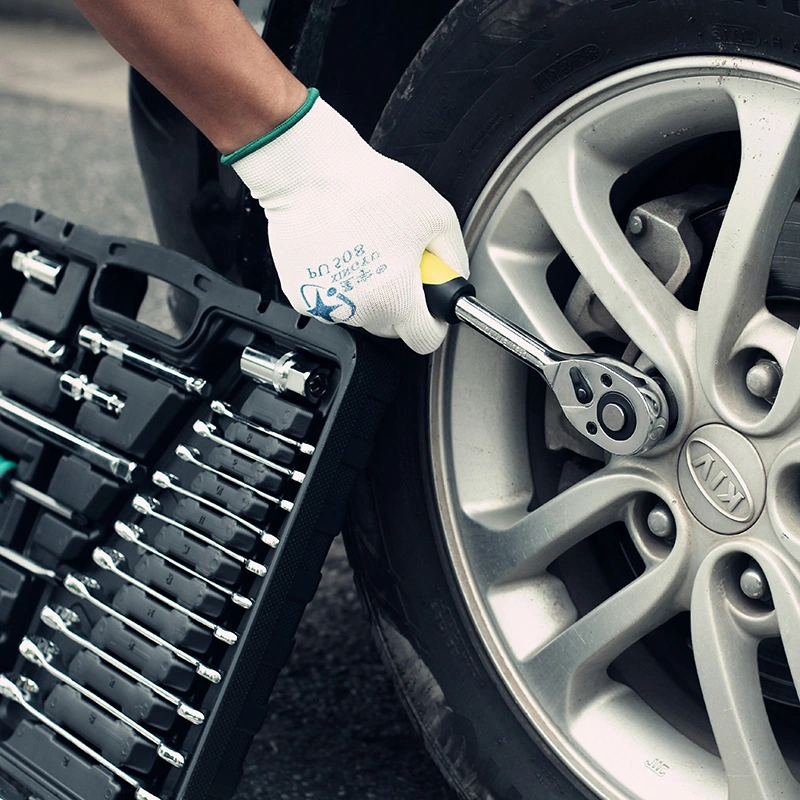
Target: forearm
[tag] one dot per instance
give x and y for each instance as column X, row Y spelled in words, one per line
column 207, row 59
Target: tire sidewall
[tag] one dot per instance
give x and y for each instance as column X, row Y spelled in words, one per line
column 484, row 78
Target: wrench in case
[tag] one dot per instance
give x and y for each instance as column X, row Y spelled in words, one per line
column 166, row 504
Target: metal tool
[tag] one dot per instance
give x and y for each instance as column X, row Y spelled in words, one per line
column 65, row 439
column 218, row 407
column 110, row 559
column 285, row 372
column 191, row 455
column 7, row 482
column 209, row 431
column 20, row 694
column 37, row 268
column 47, row 349
column 62, row 619
column 133, row 534
column 41, row 654
column 611, row 403
column 80, row 586
column 172, row 482
column 45, row 501
column 93, row 340
column 150, row 508
column 29, row 565
column 79, row 387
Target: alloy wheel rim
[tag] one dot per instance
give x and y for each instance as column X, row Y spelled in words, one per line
column 551, row 659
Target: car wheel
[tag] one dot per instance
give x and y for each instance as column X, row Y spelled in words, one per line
column 561, row 622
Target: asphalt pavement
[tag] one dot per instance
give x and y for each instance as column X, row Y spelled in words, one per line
column 335, row 727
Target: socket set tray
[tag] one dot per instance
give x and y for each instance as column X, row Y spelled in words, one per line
column 166, row 507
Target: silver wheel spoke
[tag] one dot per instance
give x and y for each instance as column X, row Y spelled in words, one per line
column 768, row 180
column 571, row 670
column 726, row 657
column 540, row 537
column 786, row 407
column 571, row 185
column 516, row 281
column 785, row 586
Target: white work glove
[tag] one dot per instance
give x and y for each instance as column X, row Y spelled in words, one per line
column 348, row 226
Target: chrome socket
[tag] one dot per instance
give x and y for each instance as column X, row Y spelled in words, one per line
column 38, row 268
column 289, row 372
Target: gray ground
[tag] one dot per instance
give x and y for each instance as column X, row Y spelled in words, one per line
column 335, row 728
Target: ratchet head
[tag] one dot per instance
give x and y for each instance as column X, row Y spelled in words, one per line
column 611, row 403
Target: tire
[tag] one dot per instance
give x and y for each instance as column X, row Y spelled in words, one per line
column 562, row 624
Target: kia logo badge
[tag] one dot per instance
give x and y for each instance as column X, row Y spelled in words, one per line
column 718, row 481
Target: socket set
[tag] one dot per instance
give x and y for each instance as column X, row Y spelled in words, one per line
column 166, row 504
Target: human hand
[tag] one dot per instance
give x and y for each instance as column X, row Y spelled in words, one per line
column 348, row 227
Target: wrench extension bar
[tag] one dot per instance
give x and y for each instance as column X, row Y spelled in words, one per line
column 110, row 462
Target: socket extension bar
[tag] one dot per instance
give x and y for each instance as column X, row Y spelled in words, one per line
column 167, row 505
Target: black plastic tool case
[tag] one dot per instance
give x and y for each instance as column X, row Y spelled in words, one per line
column 150, row 640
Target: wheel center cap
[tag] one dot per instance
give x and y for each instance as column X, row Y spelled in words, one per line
column 722, row 479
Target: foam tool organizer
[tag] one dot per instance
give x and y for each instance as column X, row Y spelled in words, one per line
column 167, row 504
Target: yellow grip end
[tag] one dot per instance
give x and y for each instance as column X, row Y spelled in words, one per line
column 434, row 271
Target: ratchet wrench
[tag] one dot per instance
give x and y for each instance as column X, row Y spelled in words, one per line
column 611, row 403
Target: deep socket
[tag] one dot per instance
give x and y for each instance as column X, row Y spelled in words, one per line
column 37, row 268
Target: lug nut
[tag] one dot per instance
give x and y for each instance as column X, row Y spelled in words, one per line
column 764, row 378
column 753, row 584
column 635, row 224
column 660, row 521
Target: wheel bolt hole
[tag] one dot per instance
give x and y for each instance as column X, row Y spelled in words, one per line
column 605, row 379
column 591, row 428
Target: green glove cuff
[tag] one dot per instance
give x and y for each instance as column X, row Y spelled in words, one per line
column 236, row 155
